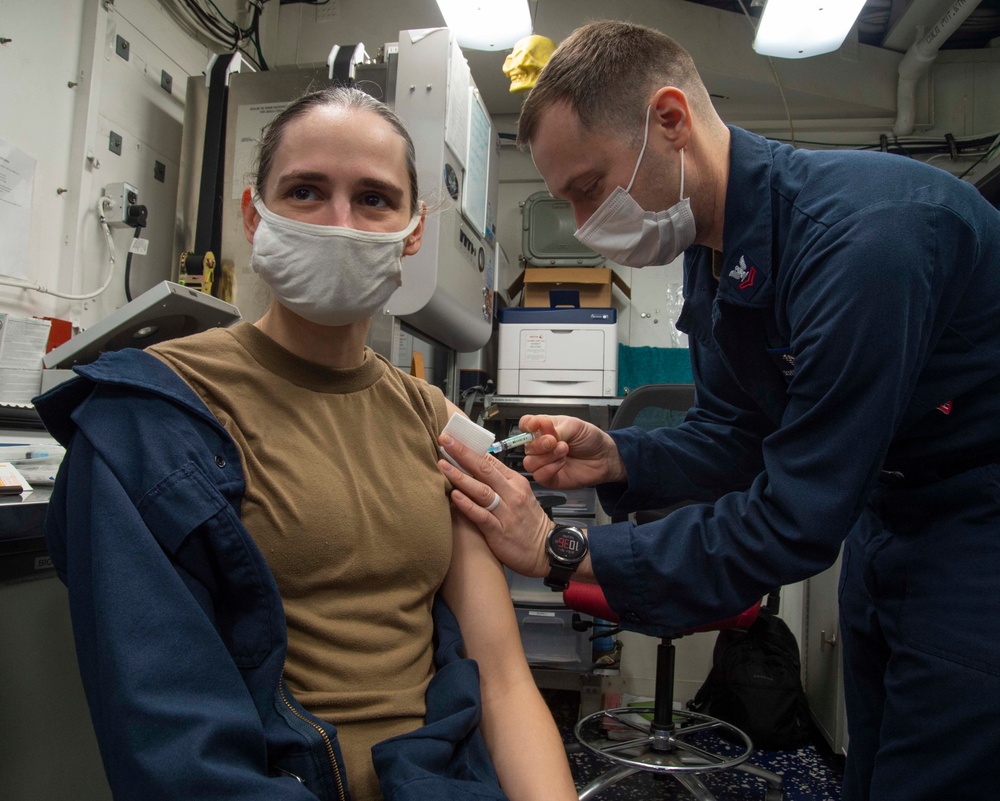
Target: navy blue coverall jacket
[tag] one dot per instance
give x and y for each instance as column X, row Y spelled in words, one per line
column 179, row 627
column 847, row 376
column 846, row 356
column 855, row 328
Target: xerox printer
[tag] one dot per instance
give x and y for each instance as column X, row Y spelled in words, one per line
column 558, row 352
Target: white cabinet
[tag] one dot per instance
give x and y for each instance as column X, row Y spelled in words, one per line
column 48, row 750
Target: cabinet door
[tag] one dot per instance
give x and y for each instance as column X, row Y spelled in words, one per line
column 48, row 751
column 824, row 677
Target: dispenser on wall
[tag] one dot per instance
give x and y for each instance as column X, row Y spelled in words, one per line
column 448, row 287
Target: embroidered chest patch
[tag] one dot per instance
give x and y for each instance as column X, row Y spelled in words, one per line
column 744, row 275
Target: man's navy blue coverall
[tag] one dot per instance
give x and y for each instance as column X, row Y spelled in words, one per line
column 846, row 356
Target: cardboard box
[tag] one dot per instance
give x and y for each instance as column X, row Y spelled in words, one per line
column 592, row 283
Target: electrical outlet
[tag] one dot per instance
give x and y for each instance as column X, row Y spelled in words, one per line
column 122, row 196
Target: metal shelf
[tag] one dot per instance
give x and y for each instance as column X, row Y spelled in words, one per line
column 598, row 411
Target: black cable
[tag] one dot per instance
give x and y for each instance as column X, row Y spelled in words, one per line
column 209, row 24
column 978, row 162
column 230, row 33
column 136, row 214
column 952, row 146
column 257, row 65
column 189, row 20
column 217, row 27
column 128, row 266
column 910, row 151
column 215, row 20
column 941, row 144
column 254, row 35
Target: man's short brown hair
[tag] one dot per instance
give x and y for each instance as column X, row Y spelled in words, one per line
column 606, row 72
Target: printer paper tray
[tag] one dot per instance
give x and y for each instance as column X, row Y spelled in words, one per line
column 566, row 383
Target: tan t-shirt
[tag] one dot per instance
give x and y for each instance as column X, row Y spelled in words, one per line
column 345, row 501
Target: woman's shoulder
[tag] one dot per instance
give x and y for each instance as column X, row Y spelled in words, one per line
column 209, row 356
column 421, row 395
column 213, row 345
column 215, row 364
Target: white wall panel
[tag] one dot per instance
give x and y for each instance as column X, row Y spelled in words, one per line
column 68, row 90
column 967, row 92
column 150, row 122
column 36, row 68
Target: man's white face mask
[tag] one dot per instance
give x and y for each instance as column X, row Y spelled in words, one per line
column 324, row 273
column 622, row 231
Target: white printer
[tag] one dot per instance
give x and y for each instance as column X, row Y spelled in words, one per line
column 558, row 352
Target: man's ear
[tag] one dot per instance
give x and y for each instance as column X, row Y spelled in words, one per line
column 671, row 115
column 250, row 216
column 415, row 239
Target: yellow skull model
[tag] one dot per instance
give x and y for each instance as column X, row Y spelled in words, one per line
column 526, row 60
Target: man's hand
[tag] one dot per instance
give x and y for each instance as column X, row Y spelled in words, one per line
column 570, row 453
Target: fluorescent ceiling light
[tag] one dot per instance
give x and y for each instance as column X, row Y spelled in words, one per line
column 803, row 28
column 487, row 24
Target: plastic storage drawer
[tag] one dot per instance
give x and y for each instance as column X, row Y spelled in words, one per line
column 550, row 639
column 531, row 592
column 580, row 503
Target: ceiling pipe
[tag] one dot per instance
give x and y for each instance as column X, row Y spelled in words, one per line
column 918, row 60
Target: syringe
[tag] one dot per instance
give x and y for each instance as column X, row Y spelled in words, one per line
column 515, row 441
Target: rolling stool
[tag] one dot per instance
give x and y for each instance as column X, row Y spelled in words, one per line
column 669, row 742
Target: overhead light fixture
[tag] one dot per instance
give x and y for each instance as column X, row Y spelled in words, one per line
column 803, row 28
column 487, row 24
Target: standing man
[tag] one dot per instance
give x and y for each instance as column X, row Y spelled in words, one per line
column 842, row 314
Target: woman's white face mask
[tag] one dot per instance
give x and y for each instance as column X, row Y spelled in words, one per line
column 327, row 274
column 622, row 231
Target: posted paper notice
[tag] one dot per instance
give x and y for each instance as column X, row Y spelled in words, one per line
column 17, row 176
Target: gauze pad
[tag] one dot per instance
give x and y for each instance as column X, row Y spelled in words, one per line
column 476, row 438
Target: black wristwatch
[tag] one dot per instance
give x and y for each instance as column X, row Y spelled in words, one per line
column 566, row 546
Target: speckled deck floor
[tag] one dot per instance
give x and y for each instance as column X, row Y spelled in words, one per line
column 811, row 773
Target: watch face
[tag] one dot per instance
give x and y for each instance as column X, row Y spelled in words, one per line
column 567, row 545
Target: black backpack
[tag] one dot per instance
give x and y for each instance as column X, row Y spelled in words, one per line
column 755, row 684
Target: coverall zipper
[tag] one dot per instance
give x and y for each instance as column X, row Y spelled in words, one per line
column 326, row 740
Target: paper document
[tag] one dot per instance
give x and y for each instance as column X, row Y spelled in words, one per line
column 22, row 346
column 17, row 176
column 11, row 481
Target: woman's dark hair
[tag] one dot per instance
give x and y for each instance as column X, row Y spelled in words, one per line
column 338, row 97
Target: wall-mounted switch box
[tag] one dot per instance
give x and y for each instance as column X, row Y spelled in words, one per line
column 122, row 196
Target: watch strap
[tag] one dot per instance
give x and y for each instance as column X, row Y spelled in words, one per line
column 558, row 577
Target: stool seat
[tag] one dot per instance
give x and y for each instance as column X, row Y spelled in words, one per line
column 658, row 738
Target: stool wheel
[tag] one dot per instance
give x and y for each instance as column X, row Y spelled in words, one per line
column 697, row 744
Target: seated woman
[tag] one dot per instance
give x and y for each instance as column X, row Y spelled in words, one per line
column 256, row 538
